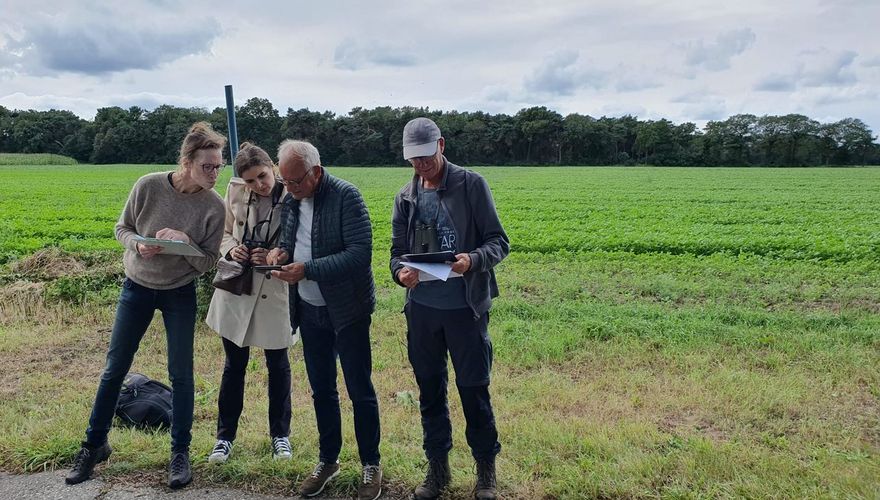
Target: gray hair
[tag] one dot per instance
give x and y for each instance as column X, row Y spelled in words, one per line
column 301, row 150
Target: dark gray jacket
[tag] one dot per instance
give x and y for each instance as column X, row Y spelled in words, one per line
column 342, row 249
column 466, row 198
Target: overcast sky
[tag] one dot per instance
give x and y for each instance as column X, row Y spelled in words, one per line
column 685, row 60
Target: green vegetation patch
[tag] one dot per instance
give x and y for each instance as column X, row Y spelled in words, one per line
column 661, row 333
column 35, row 159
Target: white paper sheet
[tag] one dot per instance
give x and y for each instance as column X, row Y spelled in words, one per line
column 431, row 272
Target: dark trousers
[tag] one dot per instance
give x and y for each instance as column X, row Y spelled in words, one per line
column 321, row 346
column 231, row 400
column 134, row 313
column 431, row 333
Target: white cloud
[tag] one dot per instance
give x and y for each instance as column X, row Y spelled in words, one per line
column 93, row 43
column 817, row 68
column 354, row 54
column 559, row 75
column 679, row 60
column 829, row 68
column 716, row 56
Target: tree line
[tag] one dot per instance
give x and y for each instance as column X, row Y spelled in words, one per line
column 532, row 136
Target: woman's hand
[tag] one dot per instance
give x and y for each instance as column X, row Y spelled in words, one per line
column 258, row 256
column 148, row 251
column 276, row 256
column 240, row 254
column 172, row 234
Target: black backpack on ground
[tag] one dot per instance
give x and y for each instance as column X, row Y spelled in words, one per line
column 144, row 402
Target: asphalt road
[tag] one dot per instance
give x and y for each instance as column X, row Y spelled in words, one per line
column 51, row 486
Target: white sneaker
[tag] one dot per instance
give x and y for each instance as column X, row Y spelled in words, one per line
column 281, row 448
column 221, row 452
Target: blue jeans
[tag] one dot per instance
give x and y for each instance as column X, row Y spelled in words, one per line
column 321, row 344
column 135, row 310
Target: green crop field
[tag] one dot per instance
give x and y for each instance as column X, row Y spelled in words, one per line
column 662, row 333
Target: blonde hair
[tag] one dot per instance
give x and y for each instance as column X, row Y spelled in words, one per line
column 200, row 136
column 249, row 156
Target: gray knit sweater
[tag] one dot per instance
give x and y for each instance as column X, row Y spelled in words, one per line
column 154, row 204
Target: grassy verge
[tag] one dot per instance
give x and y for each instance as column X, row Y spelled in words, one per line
column 618, row 375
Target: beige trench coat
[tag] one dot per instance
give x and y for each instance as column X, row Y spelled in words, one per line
column 260, row 319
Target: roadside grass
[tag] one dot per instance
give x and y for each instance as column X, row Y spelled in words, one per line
column 616, row 395
column 640, row 351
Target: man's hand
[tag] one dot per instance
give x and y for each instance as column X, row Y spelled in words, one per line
column 258, row 256
column 291, row 273
column 148, row 251
column 408, row 276
column 276, row 256
column 462, row 263
column 172, row 234
column 240, row 254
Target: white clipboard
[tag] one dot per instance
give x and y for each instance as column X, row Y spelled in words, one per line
column 171, row 247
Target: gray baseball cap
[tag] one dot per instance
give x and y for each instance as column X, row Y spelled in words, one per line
column 420, row 138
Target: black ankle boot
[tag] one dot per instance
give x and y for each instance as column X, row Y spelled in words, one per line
column 484, row 489
column 85, row 460
column 436, row 479
column 179, row 471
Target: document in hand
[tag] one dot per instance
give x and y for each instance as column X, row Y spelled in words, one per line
column 430, row 271
column 171, row 247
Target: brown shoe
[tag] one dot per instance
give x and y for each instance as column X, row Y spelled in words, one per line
column 436, row 480
column 484, row 489
column 315, row 483
column 371, row 483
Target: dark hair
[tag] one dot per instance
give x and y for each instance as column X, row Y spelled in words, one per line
column 249, row 156
column 200, row 136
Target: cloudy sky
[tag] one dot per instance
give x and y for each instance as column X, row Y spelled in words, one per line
column 685, row 60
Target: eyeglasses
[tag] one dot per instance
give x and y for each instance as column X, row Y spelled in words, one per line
column 297, row 182
column 208, row 168
column 421, row 160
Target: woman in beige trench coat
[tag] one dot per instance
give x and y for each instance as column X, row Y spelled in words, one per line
column 260, row 319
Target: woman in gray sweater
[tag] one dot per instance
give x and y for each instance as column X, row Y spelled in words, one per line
column 179, row 205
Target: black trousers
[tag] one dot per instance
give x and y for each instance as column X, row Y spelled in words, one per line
column 231, row 398
column 431, row 333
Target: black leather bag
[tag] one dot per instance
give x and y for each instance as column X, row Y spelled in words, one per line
column 238, row 285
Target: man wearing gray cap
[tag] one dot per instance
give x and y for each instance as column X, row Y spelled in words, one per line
column 448, row 208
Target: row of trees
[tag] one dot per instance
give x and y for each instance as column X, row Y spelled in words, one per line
column 534, row 135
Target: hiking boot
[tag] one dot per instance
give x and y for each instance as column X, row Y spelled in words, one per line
column 484, row 489
column 436, row 480
column 221, row 452
column 371, row 483
column 281, row 448
column 179, row 472
column 84, row 462
column 314, row 484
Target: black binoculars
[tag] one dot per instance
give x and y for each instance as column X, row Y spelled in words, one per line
column 251, row 244
column 426, row 240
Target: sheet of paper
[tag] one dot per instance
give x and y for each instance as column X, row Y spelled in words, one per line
column 171, row 247
column 431, row 272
